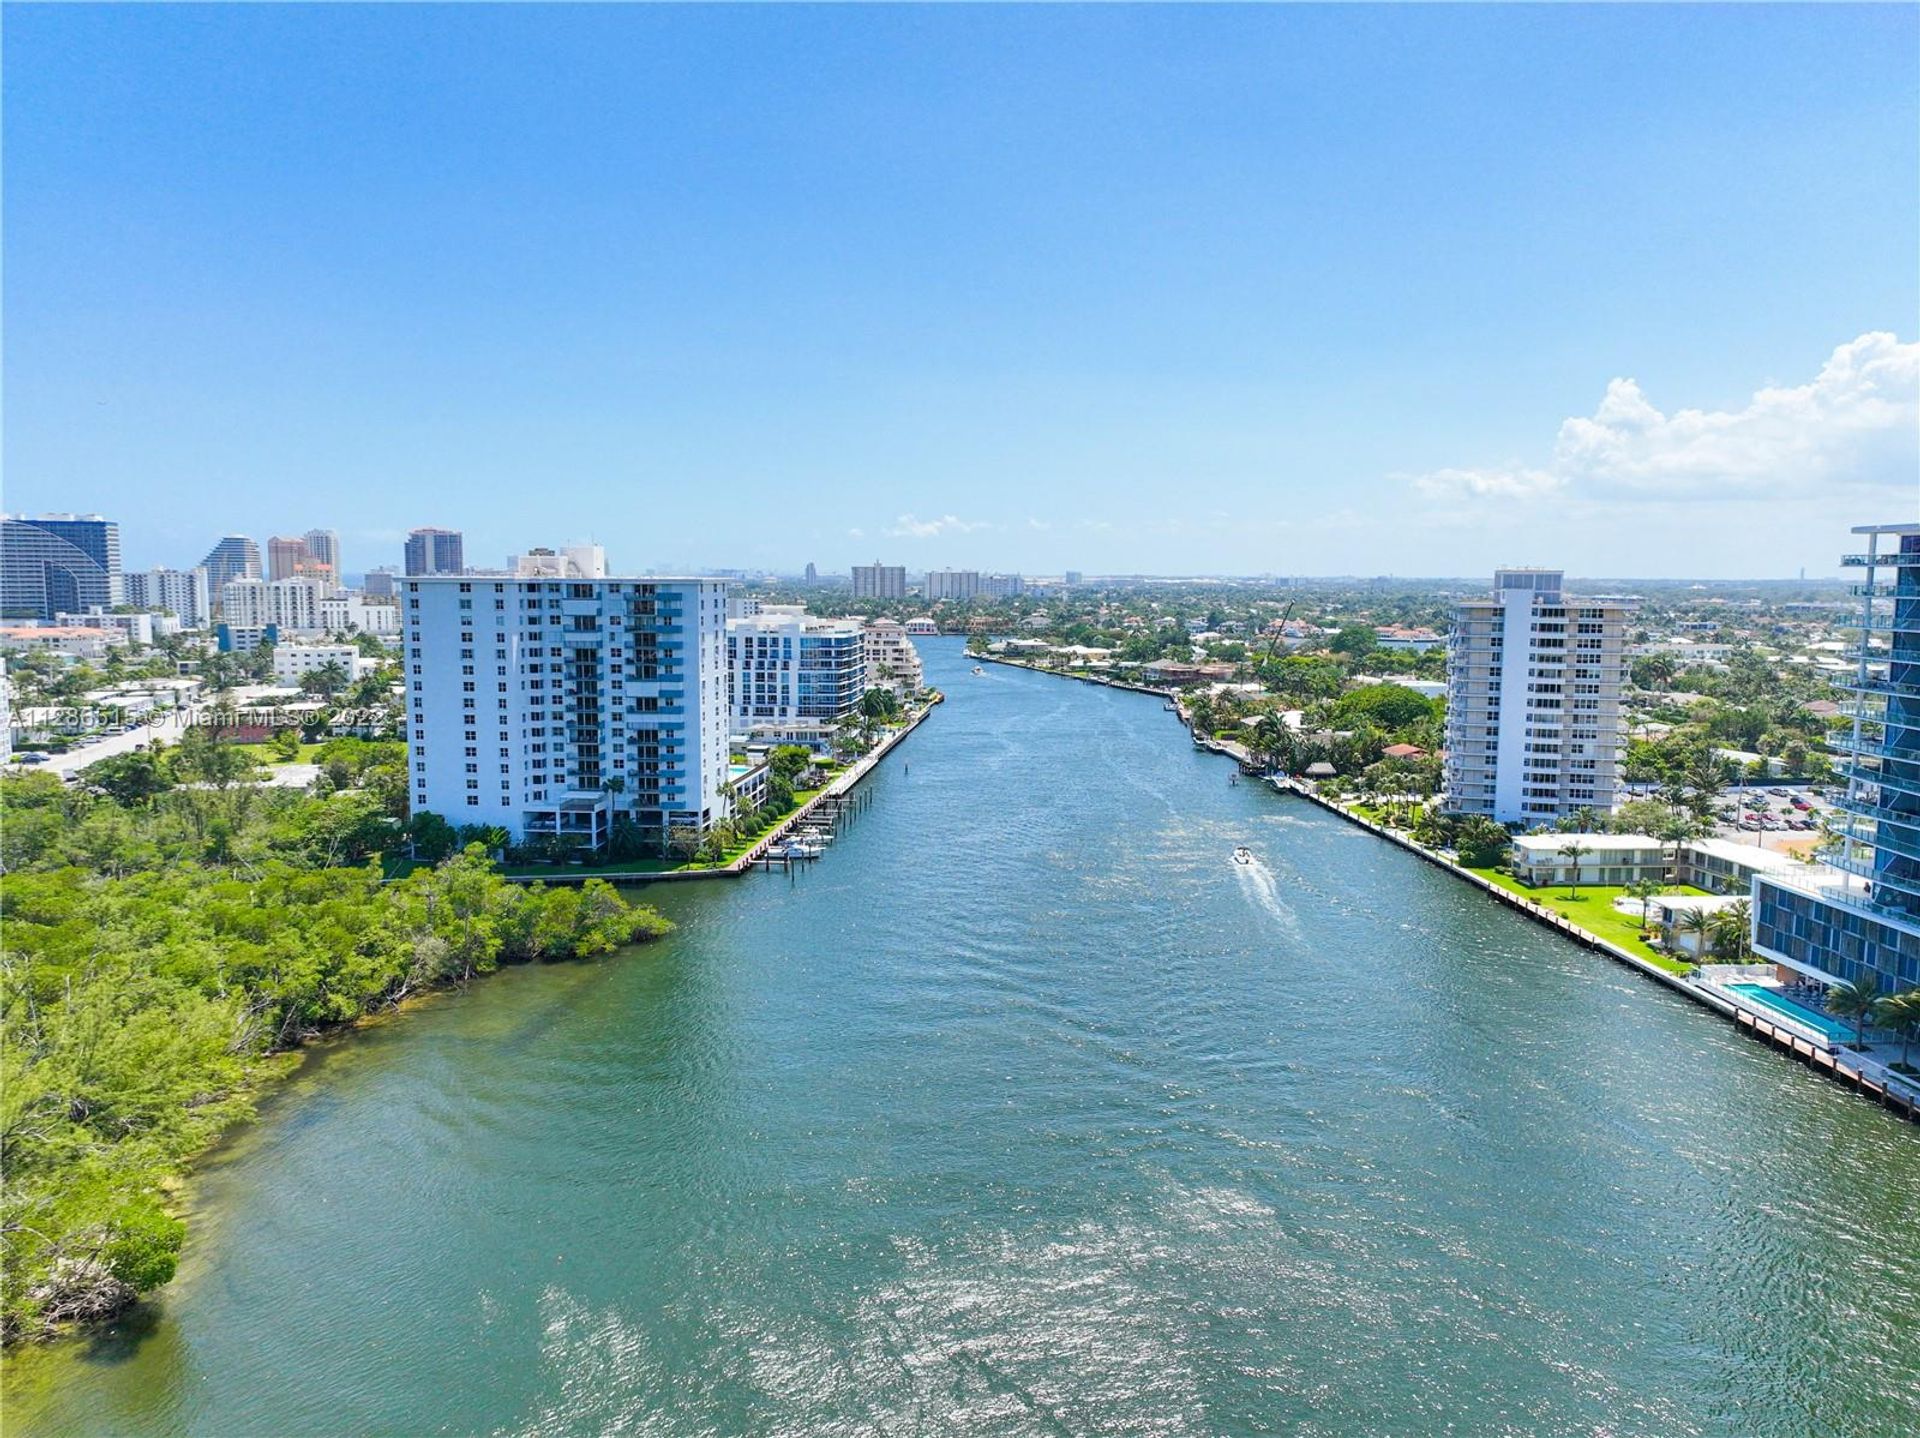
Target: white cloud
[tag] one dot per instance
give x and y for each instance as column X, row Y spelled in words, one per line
column 1856, row 423
column 857, row 533
column 907, row 527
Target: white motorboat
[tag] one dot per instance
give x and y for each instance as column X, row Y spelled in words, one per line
column 1243, row 855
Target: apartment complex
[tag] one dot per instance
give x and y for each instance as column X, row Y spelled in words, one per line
column 294, row 557
column 786, row 666
column 284, row 603
column 1533, row 700
column 892, row 661
column 955, row 584
column 54, row 563
column 435, row 551
column 183, row 592
column 1862, row 924
column 879, row 581
column 561, row 707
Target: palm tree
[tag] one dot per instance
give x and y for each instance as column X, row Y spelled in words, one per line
column 1733, row 932
column 1698, row 923
column 1859, row 1001
column 1901, row 1013
column 1573, row 851
column 1643, row 890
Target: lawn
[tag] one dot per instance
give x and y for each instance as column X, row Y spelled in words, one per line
column 1591, row 907
column 265, row 754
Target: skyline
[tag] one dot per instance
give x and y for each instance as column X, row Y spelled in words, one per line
column 1216, row 292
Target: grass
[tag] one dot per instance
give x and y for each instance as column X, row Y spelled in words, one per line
column 1591, row 907
column 266, row 754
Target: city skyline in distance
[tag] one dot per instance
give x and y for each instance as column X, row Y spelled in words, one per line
column 1285, row 292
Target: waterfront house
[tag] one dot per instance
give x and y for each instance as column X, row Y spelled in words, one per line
column 1667, row 913
column 1612, row 859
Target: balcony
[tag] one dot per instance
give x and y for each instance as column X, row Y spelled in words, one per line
column 1891, row 688
column 1904, row 884
column 1889, row 838
column 1878, row 779
column 1900, row 557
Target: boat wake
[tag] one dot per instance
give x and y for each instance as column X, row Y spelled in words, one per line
column 1264, row 889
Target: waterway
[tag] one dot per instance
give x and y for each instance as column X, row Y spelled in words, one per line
column 1026, row 1111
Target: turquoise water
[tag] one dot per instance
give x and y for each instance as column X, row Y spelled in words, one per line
column 1767, row 998
column 1027, row 1111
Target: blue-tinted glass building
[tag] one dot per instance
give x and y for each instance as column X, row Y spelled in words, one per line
column 1865, row 925
column 58, row 564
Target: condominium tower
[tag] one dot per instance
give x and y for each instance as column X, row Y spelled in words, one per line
column 1862, row 924
column 556, row 707
column 1533, row 700
column 182, row 591
column 879, row 581
column 785, row 665
column 58, row 563
column 435, row 551
column 234, row 557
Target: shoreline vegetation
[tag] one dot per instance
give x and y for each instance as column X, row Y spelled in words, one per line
column 147, row 1012
column 175, row 935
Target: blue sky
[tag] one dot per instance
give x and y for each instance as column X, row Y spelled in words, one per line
column 1312, row 290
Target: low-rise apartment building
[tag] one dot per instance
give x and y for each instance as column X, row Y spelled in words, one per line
column 1611, row 859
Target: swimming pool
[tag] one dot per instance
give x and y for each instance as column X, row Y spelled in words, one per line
column 1763, row 997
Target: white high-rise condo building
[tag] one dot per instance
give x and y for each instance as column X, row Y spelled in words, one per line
column 1533, row 700
column 879, row 581
column 283, row 603
column 960, row 584
column 785, row 666
column 182, row 591
column 892, row 661
column 561, row 707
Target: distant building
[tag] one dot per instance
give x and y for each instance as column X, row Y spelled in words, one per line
column 180, row 592
column 379, row 583
column 921, row 626
column 811, row 577
column 784, row 664
column 1002, row 586
column 52, row 563
column 323, row 546
column 286, row 557
column 1533, row 700
column 435, row 551
column 283, row 603
column 1413, row 640
column 69, row 641
column 292, row 662
column 560, row 707
column 879, row 581
column 952, row 584
column 136, row 628
column 892, row 661
column 244, row 638
column 1073, row 578
column 234, row 557
column 576, row 561
column 342, row 612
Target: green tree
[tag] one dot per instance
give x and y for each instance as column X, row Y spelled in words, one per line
column 1573, row 851
column 1858, row 1001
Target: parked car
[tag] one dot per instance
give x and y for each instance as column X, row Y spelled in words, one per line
column 30, row 757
